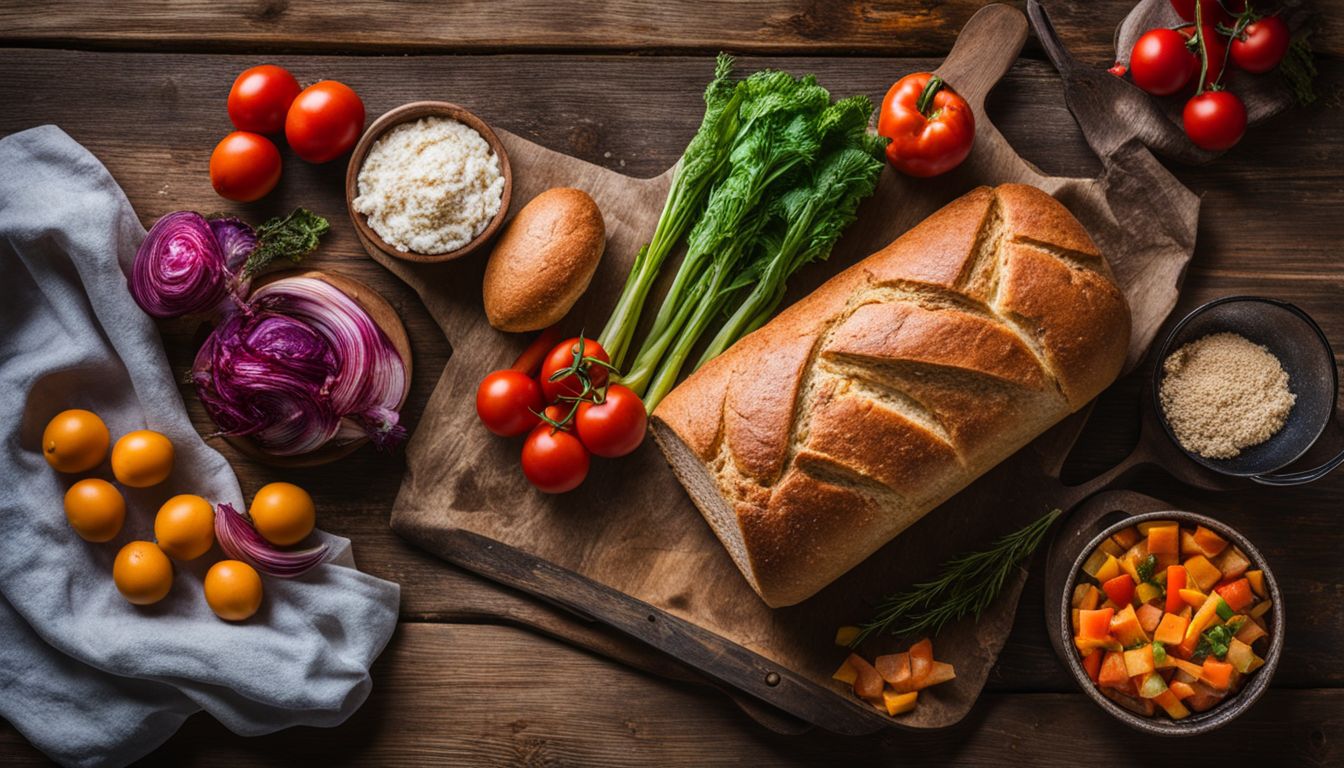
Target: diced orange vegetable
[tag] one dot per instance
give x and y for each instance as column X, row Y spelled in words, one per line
column 1086, row 596
column 1260, row 609
column 1120, row 590
column 1126, row 537
column 846, row 674
column 1164, row 539
column 1203, row 618
column 1075, row 613
column 1139, row 662
column 1188, row 544
column 1149, row 617
column 1090, row 644
column 1250, row 632
column 894, row 668
column 1231, row 563
column 1092, row 664
column 1171, row 704
column 1188, row 667
column 1193, row 597
column 1205, row 697
column 1148, row 525
column 1257, row 579
column 1129, row 564
column 1095, row 624
column 867, row 683
column 1187, row 612
column 921, row 661
column 1113, row 674
column 1203, row 573
column 940, row 673
column 1209, row 543
column 1109, row 569
column 1171, row 629
column 1125, row 627
column 899, row 703
column 1237, row 594
column 1218, row 674
column 844, row 636
column 1175, row 583
column 1180, row 689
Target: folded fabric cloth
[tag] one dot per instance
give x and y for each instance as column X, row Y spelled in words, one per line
column 87, row 677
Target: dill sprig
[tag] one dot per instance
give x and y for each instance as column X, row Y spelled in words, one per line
column 967, row 585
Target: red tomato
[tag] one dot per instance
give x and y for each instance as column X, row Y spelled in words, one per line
column 1261, row 45
column 324, row 121
column 1161, row 62
column 507, row 402
column 1217, row 50
column 929, row 141
column 260, row 97
column 554, row 460
column 615, row 426
column 244, row 166
column 1211, row 11
column 1214, row 120
column 562, row 357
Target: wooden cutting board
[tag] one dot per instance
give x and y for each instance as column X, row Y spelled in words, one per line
column 629, row 549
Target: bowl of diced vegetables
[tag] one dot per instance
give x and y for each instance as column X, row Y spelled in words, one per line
column 1176, row 622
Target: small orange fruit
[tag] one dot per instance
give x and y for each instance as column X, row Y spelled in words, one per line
column 185, row 526
column 142, row 458
column 95, row 509
column 233, row 590
column 282, row 513
column 142, row 573
column 75, row 441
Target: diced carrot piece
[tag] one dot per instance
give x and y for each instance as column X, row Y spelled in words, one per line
column 899, row 703
column 1171, row 704
column 1086, row 596
column 1164, row 539
column 1203, row 573
column 942, row 672
column 1180, row 690
column 1210, row 543
column 1126, row 537
column 1092, row 664
column 867, row 683
column 1149, row 617
column 1113, row 674
column 1193, row 597
column 1218, row 674
column 1237, row 594
column 1175, row 583
column 844, row 636
column 1171, row 629
column 894, row 668
column 1125, row 627
column 1095, row 624
column 1120, row 590
column 1251, row 632
column 1139, row 662
column 1257, row 579
column 921, row 661
column 846, row 674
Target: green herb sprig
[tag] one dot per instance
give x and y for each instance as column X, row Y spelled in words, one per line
column 968, row 584
column 291, row 237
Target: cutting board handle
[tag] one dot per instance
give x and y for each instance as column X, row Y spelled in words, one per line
column 984, row 52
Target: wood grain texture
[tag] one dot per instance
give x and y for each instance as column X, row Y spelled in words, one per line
column 474, row 695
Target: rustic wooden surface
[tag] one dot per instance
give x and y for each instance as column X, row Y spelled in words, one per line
column 452, row 691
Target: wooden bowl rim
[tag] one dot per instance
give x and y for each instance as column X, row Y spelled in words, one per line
column 414, row 111
column 1227, row 710
column 381, row 311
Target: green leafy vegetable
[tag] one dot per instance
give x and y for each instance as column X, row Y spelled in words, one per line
column 1213, row 642
column 291, row 237
column 1223, row 610
column 967, row 586
column 1146, row 568
column 1159, row 652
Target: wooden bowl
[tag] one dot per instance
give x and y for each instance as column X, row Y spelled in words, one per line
column 385, row 317
column 1231, row 707
column 375, row 244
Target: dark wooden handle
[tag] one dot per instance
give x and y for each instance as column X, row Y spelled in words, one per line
column 984, row 52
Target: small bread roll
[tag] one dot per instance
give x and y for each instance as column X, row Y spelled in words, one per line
column 544, row 260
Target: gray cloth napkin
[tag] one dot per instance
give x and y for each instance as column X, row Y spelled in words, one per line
column 87, row 677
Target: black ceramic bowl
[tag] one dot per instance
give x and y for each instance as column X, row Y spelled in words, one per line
column 1301, row 347
column 1229, row 708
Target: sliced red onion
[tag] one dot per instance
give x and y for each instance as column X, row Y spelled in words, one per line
column 237, row 240
column 179, row 268
column 303, row 365
column 240, row 540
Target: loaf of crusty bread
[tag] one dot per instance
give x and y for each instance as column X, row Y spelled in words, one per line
column 821, row 436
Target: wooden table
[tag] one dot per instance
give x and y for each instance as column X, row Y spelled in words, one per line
column 618, row 83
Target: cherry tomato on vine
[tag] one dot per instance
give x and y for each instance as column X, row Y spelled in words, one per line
column 560, row 414
column 1161, row 62
column 554, row 460
column 260, row 98
column 562, row 357
column 507, row 402
column 1214, row 120
column 1261, row 45
column 615, row 426
column 1210, row 11
column 324, row 121
column 1216, row 46
column 931, row 128
column 244, row 166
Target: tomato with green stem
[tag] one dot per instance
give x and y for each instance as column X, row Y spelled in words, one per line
column 931, row 127
column 1210, row 11
column 554, row 460
column 1261, row 44
column 1161, row 62
column 1217, row 50
column 1215, row 120
column 508, row 401
column 574, row 368
column 613, row 423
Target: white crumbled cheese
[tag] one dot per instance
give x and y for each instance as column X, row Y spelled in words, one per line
column 430, row 186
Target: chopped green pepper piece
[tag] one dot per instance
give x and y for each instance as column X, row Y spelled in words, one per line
column 1224, row 610
column 1159, row 652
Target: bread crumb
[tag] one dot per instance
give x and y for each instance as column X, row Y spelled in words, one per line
column 1223, row 393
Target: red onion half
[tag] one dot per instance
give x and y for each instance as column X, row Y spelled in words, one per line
column 179, row 268
column 300, row 366
column 239, row 539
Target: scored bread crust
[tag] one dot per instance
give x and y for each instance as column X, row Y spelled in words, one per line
column 821, row 436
